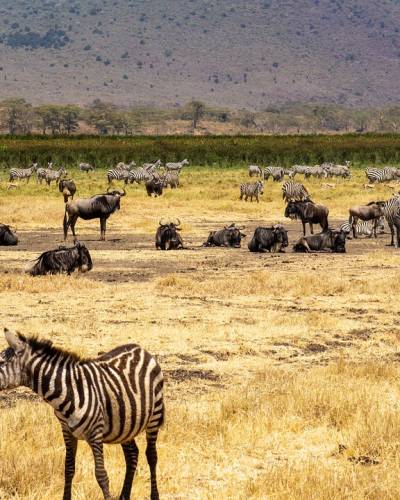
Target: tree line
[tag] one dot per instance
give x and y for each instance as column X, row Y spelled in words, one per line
column 19, row 117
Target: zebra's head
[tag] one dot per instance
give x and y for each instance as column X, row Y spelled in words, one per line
column 13, row 361
column 260, row 187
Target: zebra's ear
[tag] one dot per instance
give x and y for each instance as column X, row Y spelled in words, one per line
column 14, row 341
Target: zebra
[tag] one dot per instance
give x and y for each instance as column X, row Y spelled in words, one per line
column 171, row 178
column 364, row 228
column 251, row 189
column 376, row 175
column 294, row 191
column 85, row 167
column 152, row 167
column 315, row 171
column 124, row 166
column 176, row 166
column 109, row 399
column 138, row 175
column 391, row 212
column 54, row 175
column 22, row 173
column 276, row 173
column 117, row 174
column 298, row 169
column 255, row 170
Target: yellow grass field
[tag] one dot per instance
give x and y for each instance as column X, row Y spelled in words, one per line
column 282, row 371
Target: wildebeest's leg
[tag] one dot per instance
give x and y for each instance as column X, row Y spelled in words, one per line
column 131, row 453
column 71, row 444
column 311, row 228
column 151, row 455
column 374, row 229
column 100, row 471
column 304, row 227
column 103, row 223
column 258, row 201
column 354, row 226
column 71, row 223
column 390, row 224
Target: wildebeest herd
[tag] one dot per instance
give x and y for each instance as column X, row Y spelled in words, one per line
column 367, row 220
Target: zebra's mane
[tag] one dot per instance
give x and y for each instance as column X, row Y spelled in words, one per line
column 46, row 347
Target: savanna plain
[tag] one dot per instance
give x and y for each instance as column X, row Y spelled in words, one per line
column 282, row 370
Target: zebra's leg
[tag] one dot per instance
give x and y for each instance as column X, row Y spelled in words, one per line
column 390, row 224
column 101, row 474
column 71, row 444
column 131, row 453
column 151, row 455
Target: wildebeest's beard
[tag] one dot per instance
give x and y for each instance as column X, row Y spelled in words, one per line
column 339, row 243
column 7, row 237
column 282, row 238
column 85, row 261
column 235, row 238
column 291, row 211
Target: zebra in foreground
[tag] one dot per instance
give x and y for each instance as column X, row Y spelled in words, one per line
column 117, row 174
column 391, row 212
column 382, row 174
column 364, row 228
column 251, row 190
column 294, row 191
column 110, row 399
column 277, row 173
column 22, row 173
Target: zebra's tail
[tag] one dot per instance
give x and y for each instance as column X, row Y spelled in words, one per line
column 65, row 222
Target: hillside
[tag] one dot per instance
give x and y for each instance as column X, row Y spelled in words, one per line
column 236, row 54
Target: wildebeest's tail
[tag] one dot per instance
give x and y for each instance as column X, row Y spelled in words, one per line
column 350, row 220
column 65, row 222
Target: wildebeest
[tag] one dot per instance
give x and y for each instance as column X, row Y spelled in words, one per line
column 308, row 212
column 371, row 211
column 100, row 206
column 7, row 236
column 68, row 188
column 167, row 236
column 154, row 186
column 63, row 260
column 230, row 236
column 326, row 240
column 269, row 238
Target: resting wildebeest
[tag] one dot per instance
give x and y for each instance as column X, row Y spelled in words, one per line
column 154, row 186
column 308, row 212
column 63, row 260
column 230, row 236
column 68, row 188
column 269, row 238
column 7, row 237
column 100, row 206
column 167, row 236
column 327, row 240
column 371, row 211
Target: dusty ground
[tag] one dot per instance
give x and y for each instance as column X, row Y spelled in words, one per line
column 282, row 370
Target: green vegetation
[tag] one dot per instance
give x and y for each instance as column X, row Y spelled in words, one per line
column 104, row 152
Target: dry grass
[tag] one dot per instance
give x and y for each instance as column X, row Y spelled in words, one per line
column 271, row 362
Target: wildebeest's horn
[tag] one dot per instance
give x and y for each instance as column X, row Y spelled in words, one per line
column 162, row 222
column 178, row 222
column 108, row 189
column 123, row 192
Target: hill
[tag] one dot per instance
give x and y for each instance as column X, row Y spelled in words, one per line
column 235, row 54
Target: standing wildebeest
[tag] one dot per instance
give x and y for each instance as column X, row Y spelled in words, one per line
column 327, row 240
column 7, row 237
column 308, row 212
column 63, row 260
column 85, row 167
column 100, row 206
column 250, row 190
column 371, row 211
column 167, row 236
column 110, row 399
column 230, row 236
column 154, row 186
column 269, row 238
column 68, row 188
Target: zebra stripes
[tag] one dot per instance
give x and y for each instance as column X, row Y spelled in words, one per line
column 276, row 173
column 171, row 178
column 22, row 173
column 364, row 228
column 54, row 175
column 117, row 174
column 294, row 191
column 109, row 399
column 251, row 190
column 376, row 175
column 138, row 175
column 391, row 212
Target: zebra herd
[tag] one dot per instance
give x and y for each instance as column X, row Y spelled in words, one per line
column 324, row 170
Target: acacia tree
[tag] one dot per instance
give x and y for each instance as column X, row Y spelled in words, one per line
column 17, row 116
column 197, row 109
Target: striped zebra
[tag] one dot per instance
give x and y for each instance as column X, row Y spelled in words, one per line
column 294, row 191
column 255, row 170
column 138, row 175
column 110, row 399
column 391, row 212
column 276, row 173
column 54, row 175
column 364, row 228
column 176, row 166
column 376, row 175
column 85, row 167
column 250, row 190
column 171, row 178
column 22, row 173
column 117, row 174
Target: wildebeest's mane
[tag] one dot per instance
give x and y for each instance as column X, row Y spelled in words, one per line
column 47, row 348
